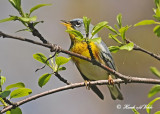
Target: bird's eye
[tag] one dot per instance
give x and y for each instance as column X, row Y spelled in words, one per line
column 78, row 23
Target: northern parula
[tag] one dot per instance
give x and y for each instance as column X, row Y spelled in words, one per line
column 100, row 52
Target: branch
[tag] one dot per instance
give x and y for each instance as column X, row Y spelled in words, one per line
column 138, row 48
column 54, row 47
column 78, row 85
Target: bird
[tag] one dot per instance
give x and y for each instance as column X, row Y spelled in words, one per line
column 101, row 53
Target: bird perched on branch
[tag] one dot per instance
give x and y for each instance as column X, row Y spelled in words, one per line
column 100, row 53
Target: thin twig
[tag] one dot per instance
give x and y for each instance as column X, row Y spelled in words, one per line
column 77, row 85
column 57, row 48
column 125, row 78
column 46, row 62
column 138, row 48
column 61, row 78
column 36, row 33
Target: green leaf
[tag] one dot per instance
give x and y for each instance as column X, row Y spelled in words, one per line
column 17, row 110
column 128, row 46
column 122, row 31
column 97, row 40
column 25, row 19
column 148, row 108
column 16, row 4
column 156, row 2
column 154, row 90
column 119, row 20
column 98, row 27
column 156, row 30
column 20, row 92
column 75, row 32
column 44, row 79
column 3, row 79
column 145, row 22
column 111, row 29
column 61, row 68
column 114, row 37
column 35, row 23
column 12, row 18
column 5, row 93
column 17, row 85
column 113, row 49
column 155, row 71
column 37, row 7
column 61, row 60
column 41, row 58
column 22, row 30
column 135, row 111
column 86, row 22
column 158, row 112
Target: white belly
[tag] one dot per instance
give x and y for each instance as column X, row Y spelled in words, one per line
column 92, row 72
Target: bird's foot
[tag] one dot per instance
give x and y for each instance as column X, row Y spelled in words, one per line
column 110, row 80
column 87, row 85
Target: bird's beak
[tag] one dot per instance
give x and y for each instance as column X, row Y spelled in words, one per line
column 67, row 24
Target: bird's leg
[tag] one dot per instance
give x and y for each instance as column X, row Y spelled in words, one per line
column 87, row 85
column 110, row 80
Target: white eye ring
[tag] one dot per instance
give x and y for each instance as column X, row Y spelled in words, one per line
column 78, row 24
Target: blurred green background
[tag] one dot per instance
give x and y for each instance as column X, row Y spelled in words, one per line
column 17, row 63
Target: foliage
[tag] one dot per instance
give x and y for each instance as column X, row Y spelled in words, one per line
column 54, row 66
column 16, row 90
column 25, row 18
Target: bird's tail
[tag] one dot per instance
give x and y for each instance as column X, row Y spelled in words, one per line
column 97, row 91
column 115, row 93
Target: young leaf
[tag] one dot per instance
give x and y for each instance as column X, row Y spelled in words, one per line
column 155, row 71
column 156, row 30
column 154, row 90
column 158, row 112
column 41, row 58
column 114, row 37
column 145, row 22
column 75, row 32
column 113, row 49
column 111, row 29
column 122, row 31
column 17, row 85
column 20, row 92
column 17, row 110
column 44, row 79
column 149, row 106
column 37, row 7
column 119, row 20
column 22, row 30
column 5, row 93
column 98, row 27
column 61, row 60
column 61, row 68
column 3, row 79
column 16, row 4
column 12, row 18
column 97, row 40
column 86, row 22
column 135, row 111
column 128, row 46
column 156, row 2
column 25, row 19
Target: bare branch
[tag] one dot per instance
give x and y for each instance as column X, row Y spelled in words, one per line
column 77, row 85
column 54, row 47
column 138, row 48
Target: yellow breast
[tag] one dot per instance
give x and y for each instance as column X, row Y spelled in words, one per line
column 82, row 49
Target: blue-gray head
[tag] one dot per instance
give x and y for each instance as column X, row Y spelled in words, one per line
column 78, row 24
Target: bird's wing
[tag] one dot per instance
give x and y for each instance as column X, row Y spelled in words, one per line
column 93, row 87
